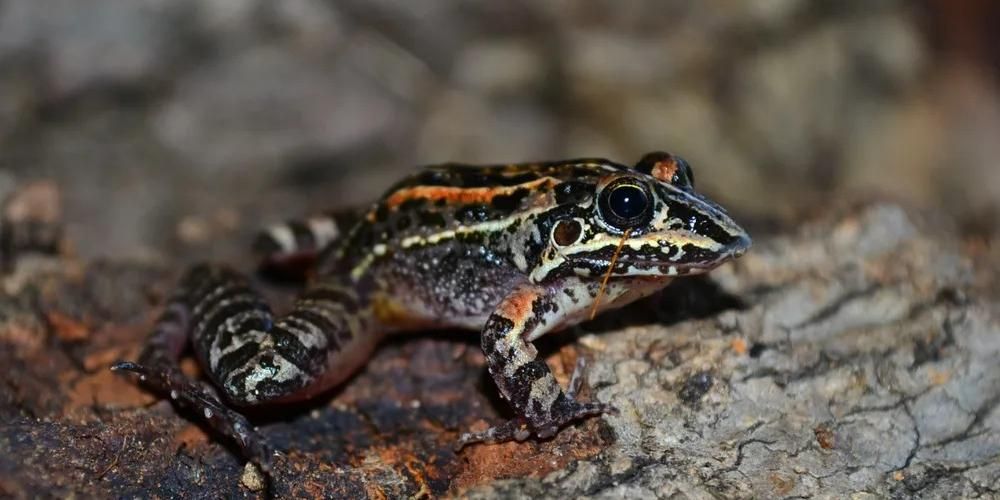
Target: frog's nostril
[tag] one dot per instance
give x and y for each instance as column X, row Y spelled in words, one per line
column 739, row 246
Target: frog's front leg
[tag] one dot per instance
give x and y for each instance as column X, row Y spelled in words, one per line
column 542, row 406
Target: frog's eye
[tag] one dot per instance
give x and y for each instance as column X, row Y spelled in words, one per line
column 625, row 203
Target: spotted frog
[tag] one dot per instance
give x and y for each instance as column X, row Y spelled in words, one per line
column 511, row 251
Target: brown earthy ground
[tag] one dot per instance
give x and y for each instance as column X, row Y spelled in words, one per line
column 855, row 356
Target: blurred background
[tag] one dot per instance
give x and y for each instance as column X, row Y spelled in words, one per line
column 181, row 126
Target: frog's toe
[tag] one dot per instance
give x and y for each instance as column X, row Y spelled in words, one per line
column 512, row 430
column 567, row 411
column 519, row 429
column 192, row 394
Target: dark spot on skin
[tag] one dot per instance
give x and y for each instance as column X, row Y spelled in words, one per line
column 524, row 377
column 381, row 212
column 364, row 240
column 666, row 248
column 473, row 178
column 412, row 204
column 698, row 254
column 573, row 192
column 496, row 239
column 292, row 349
column 533, row 251
column 237, row 358
column 534, row 319
column 479, row 212
column 566, row 232
column 699, row 222
column 695, row 387
column 472, row 238
column 403, row 223
column 536, row 408
column 494, row 329
column 539, row 307
column 215, row 323
column 270, row 389
column 431, row 219
column 336, row 335
column 509, row 202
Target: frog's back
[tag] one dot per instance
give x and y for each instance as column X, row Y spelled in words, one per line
column 458, row 175
column 455, row 203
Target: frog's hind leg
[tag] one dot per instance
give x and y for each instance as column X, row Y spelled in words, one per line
column 253, row 357
column 158, row 366
column 289, row 250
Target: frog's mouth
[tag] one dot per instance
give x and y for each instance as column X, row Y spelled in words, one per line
column 689, row 263
column 650, row 268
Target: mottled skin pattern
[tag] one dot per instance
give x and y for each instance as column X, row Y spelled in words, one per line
column 513, row 251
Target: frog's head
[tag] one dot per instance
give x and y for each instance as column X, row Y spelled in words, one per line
column 651, row 211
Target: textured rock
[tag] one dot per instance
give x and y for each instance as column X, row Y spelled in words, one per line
column 855, row 356
column 861, row 364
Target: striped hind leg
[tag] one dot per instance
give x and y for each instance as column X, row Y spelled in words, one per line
column 251, row 356
column 289, row 250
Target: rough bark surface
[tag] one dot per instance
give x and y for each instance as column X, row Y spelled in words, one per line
column 856, row 357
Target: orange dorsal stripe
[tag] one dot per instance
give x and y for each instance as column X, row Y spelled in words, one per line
column 460, row 195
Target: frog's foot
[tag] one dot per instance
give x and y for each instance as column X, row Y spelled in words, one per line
column 565, row 409
column 192, row 394
column 519, row 429
column 512, row 430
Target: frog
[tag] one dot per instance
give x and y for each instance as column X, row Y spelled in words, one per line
column 511, row 251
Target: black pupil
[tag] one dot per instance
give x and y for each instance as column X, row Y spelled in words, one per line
column 627, row 202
